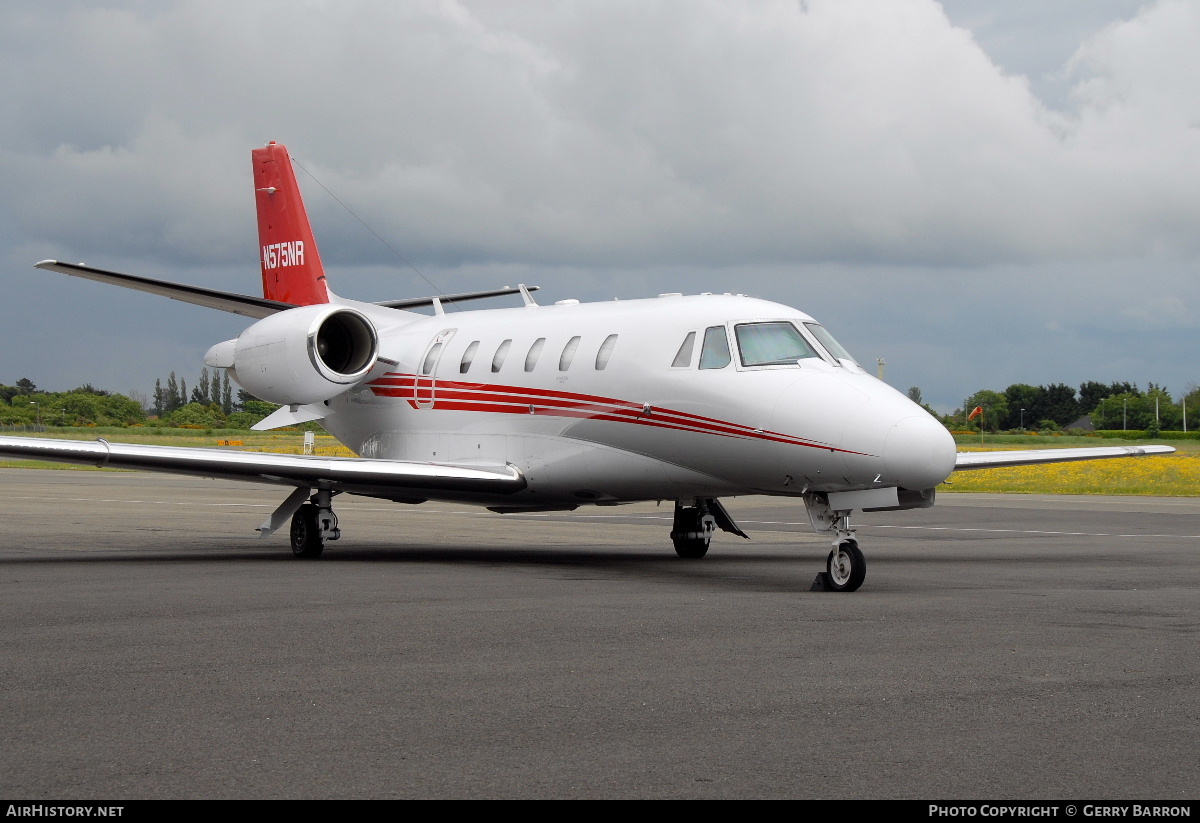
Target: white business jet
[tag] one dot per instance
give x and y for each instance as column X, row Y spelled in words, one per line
column 547, row 408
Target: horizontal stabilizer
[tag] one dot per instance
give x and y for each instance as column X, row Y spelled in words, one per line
column 419, row 302
column 1029, row 457
column 242, row 304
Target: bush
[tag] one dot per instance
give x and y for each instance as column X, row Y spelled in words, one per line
column 196, row 416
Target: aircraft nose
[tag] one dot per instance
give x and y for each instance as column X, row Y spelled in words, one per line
column 919, row 453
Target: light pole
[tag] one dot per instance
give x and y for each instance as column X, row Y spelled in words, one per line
column 64, row 422
column 1124, row 413
column 1022, row 420
column 38, row 412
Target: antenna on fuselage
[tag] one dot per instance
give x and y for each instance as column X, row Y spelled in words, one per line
column 529, row 301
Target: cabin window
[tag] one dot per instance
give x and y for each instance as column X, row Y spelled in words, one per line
column 501, row 353
column 535, row 352
column 606, row 350
column 826, row 340
column 683, row 358
column 568, row 354
column 468, row 357
column 431, row 359
column 714, row 354
column 772, row 344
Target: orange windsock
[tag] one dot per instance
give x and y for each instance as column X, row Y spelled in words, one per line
column 975, row 412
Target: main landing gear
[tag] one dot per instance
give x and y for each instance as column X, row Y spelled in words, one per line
column 693, row 529
column 694, row 526
column 846, row 567
column 312, row 524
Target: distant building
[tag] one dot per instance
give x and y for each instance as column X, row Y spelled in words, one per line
column 1083, row 424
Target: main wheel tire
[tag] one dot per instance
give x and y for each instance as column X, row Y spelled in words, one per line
column 846, row 567
column 306, row 534
column 689, row 521
column 691, row 549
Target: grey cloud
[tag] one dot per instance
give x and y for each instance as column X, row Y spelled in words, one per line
column 819, row 154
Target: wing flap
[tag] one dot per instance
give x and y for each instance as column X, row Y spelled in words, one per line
column 243, row 304
column 353, row 474
column 996, row 459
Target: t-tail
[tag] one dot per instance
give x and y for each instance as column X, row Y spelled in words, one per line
column 291, row 265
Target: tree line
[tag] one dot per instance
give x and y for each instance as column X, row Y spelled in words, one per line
column 211, row 389
column 1111, row 406
column 211, row 404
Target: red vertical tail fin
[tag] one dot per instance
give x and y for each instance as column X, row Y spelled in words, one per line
column 291, row 265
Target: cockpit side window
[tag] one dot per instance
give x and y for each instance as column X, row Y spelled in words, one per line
column 683, row 358
column 826, row 340
column 772, row 344
column 714, row 354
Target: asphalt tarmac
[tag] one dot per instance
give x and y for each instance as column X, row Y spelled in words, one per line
column 1002, row 647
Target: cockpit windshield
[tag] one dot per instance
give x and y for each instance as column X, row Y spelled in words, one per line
column 826, row 339
column 771, row 344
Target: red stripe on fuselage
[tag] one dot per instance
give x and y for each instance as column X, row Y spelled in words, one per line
column 453, row 395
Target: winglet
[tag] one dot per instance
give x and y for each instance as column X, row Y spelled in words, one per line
column 291, row 265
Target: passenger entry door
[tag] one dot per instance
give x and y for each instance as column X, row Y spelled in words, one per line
column 425, row 384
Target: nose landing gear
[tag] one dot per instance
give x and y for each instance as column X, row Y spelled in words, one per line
column 846, row 567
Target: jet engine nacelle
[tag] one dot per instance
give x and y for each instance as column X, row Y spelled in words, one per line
column 303, row 355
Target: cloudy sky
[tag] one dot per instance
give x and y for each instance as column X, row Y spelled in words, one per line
column 981, row 193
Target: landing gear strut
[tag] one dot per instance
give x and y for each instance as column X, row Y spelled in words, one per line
column 846, row 567
column 312, row 524
column 693, row 529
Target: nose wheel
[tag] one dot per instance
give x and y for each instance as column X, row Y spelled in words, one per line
column 846, row 567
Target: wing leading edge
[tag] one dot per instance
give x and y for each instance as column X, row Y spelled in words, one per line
column 375, row 478
column 996, row 459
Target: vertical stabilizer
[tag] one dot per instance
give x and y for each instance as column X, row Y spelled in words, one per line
column 291, row 266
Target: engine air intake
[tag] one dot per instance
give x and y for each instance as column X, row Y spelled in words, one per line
column 344, row 345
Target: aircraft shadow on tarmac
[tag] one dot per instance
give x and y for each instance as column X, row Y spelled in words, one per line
column 738, row 569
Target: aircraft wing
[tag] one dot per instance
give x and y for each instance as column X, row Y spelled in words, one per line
column 376, row 478
column 996, row 459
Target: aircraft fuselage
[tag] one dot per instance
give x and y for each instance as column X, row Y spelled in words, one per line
column 596, row 403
